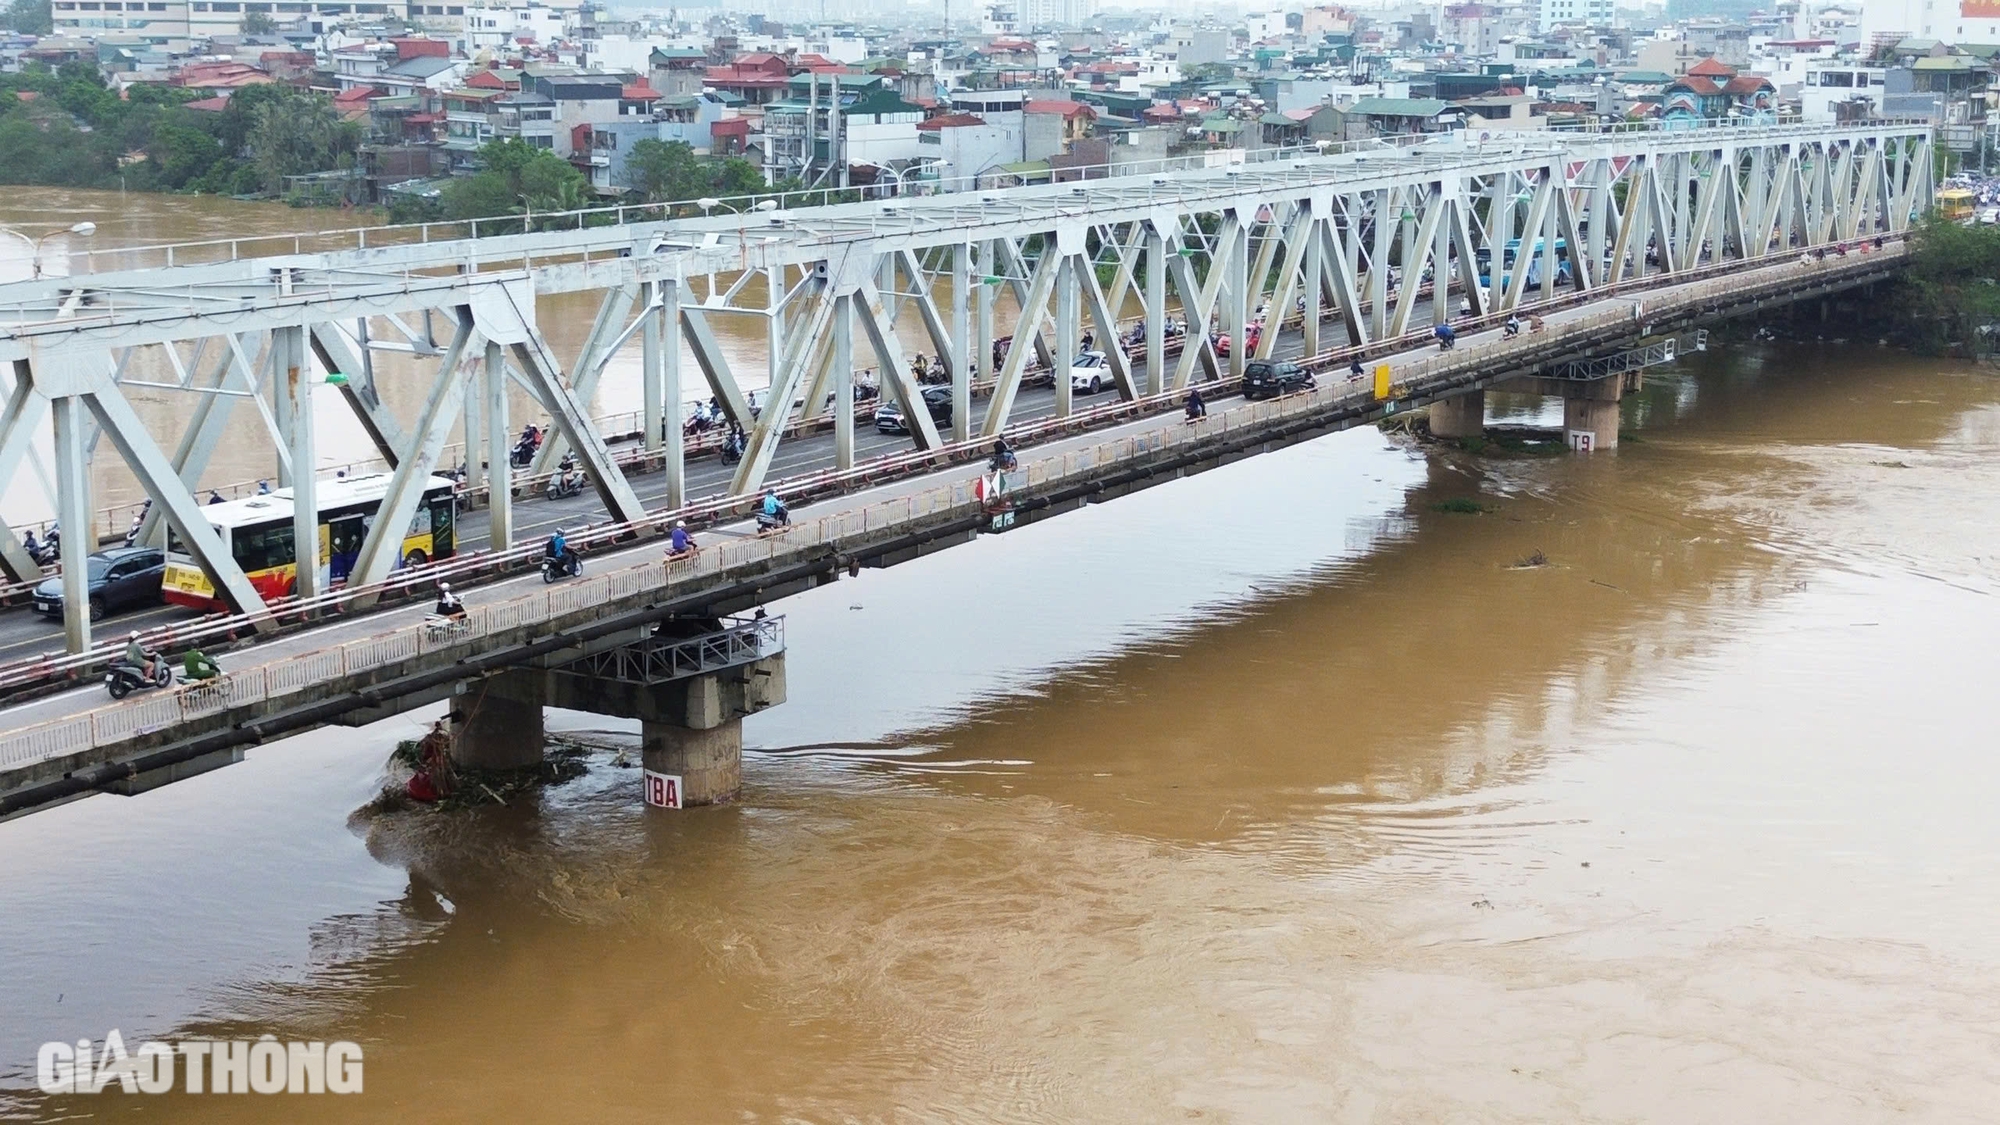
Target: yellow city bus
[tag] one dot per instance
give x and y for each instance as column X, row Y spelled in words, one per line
column 258, row 532
column 1955, row 204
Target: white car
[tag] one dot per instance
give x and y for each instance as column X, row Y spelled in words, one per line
column 1089, row 373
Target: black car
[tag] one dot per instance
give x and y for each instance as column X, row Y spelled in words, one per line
column 889, row 416
column 1270, row 378
column 119, row 579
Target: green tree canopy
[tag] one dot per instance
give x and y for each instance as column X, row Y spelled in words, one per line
column 257, row 23
column 30, row 17
column 299, row 134
column 671, row 171
column 515, row 178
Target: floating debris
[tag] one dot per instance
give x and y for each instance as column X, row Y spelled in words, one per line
column 1459, row 505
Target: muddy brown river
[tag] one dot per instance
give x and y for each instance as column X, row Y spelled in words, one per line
column 1275, row 794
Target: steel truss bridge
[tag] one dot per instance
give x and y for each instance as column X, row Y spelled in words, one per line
column 1369, row 243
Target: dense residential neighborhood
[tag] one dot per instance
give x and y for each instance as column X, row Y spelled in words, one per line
column 401, row 105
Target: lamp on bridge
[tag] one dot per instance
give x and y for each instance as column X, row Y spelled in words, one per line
column 85, row 229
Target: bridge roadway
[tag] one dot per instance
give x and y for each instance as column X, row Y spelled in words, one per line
column 39, row 764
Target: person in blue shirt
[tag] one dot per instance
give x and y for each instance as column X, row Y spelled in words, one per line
column 680, row 542
column 558, row 548
column 775, row 512
column 772, row 506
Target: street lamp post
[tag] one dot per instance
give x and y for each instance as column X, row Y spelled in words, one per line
column 919, row 168
column 86, row 229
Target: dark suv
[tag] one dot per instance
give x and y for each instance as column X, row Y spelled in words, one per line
column 1269, row 378
column 119, row 578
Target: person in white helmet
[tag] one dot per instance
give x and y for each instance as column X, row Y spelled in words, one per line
column 680, row 542
column 448, row 603
column 137, row 656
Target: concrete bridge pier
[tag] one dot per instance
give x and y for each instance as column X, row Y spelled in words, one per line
column 690, row 727
column 689, row 683
column 1590, row 414
column 501, row 728
column 1459, row 416
column 708, row 762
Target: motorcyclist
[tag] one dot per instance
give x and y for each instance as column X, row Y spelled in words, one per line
column 196, row 666
column 448, row 604
column 137, row 656
column 566, row 469
column 1445, row 336
column 1196, row 408
column 1003, row 457
column 558, row 548
column 1513, row 327
column 33, row 548
column 680, row 542
column 733, row 445
column 1356, row 369
column 775, row 510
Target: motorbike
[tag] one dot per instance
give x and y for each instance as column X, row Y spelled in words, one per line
column 522, row 454
column 1002, row 462
column 571, row 565
column 768, row 522
column 122, row 678
column 48, row 551
column 731, row 451
column 565, row 484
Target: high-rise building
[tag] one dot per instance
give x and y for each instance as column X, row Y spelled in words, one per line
column 1555, row 13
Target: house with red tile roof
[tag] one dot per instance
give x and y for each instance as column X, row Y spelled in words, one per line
column 1712, row 90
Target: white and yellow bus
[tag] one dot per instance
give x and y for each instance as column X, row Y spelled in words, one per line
column 258, row 532
column 1956, row 204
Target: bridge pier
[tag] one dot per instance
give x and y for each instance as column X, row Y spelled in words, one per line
column 708, row 762
column 1590, row 414
column 1460, row 416
column 689, row 687
column 502, row 724
column 690, row 721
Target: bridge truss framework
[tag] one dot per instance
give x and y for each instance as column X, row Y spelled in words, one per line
column 1365, row 243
